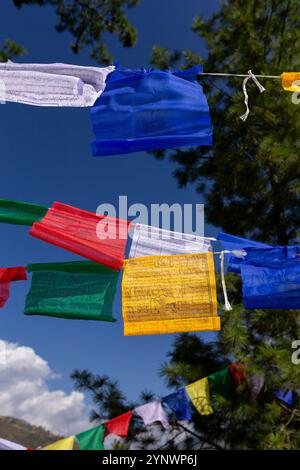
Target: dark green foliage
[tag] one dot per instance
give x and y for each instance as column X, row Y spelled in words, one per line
column 10, row 49
column 89, row 20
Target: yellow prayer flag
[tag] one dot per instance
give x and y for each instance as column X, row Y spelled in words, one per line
column 291, row 81
column 199, row 395
column 63, row 444
column 169, row 294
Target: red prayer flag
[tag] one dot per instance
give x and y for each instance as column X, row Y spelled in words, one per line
column 7, row 275
column 238, row 373
column 97, row 237
column 119, row 426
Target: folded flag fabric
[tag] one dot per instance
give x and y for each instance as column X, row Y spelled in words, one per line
column 92, row 439
column 20, row 213
column 8, row 275
column 169, row 294
column 62, row 444
column 75, row 290
column 119, row 425
column 99, row 238
column 154, row 241
column 232, row 242
column 199, row 395
column 180, row 404
column 221, row 383
column 143, row 110
column 52, row 84
column 291, row 81
column 270, row 274
column 265, row 288
column 9, row 445
column 153, row 412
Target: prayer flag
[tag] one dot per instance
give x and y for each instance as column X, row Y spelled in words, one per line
column 256, row 384
column 20, row 213
column 238, row 373
column 271, row 288
column 99, row 238
column 180, row 404
column 199, row 395
column 221, row 382
column 286, row 396
column 143, row 110
column 75, row 290
column 52, row 84
column 291, row 81
column 63, row 444
column 169, row 294
column 92, row 439
column 152, row 412
column 8, row 275
column 154, row 241
column 9, row 445
column 119, row 425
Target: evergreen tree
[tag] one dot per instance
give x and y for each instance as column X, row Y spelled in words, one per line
column 89, row 20
column 250, row 180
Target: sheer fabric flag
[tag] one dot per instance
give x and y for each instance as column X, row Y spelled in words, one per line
column 99, row 238
column 20, row 213
column 52, row 84
column 199, row 395
column 149, row 110
column 80, row 291
column 153, row 412
column 8, row 275
column 119, row 425
column 221, row 383
column 257, row 383
column 291, row 81
column 63, row 444
column 180, row 404
column 92, row 439
column 169, row 294
column 154, row 241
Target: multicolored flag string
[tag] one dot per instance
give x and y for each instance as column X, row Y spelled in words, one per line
column 143, row 110
column 168, row 294
column 75, row 290
column 52, row 84
column 196, row 397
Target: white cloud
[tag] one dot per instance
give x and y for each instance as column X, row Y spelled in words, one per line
column 24, row 393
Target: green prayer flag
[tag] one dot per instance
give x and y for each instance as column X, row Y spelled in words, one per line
column 81, row 290
column 92, row 439
column 20, row 213
column 221, row 383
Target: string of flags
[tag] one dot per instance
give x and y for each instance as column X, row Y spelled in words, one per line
column 131, row 109
column 182, row 404
column 169, row 279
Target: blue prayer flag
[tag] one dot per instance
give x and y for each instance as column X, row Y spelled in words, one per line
column 180, row 404
column 144, row 110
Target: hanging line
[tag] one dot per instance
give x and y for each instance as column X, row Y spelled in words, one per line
column 217, row 74
column 237, row 254
column 249, row 76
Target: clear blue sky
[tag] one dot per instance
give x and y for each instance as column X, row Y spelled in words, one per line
column 46, row 156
